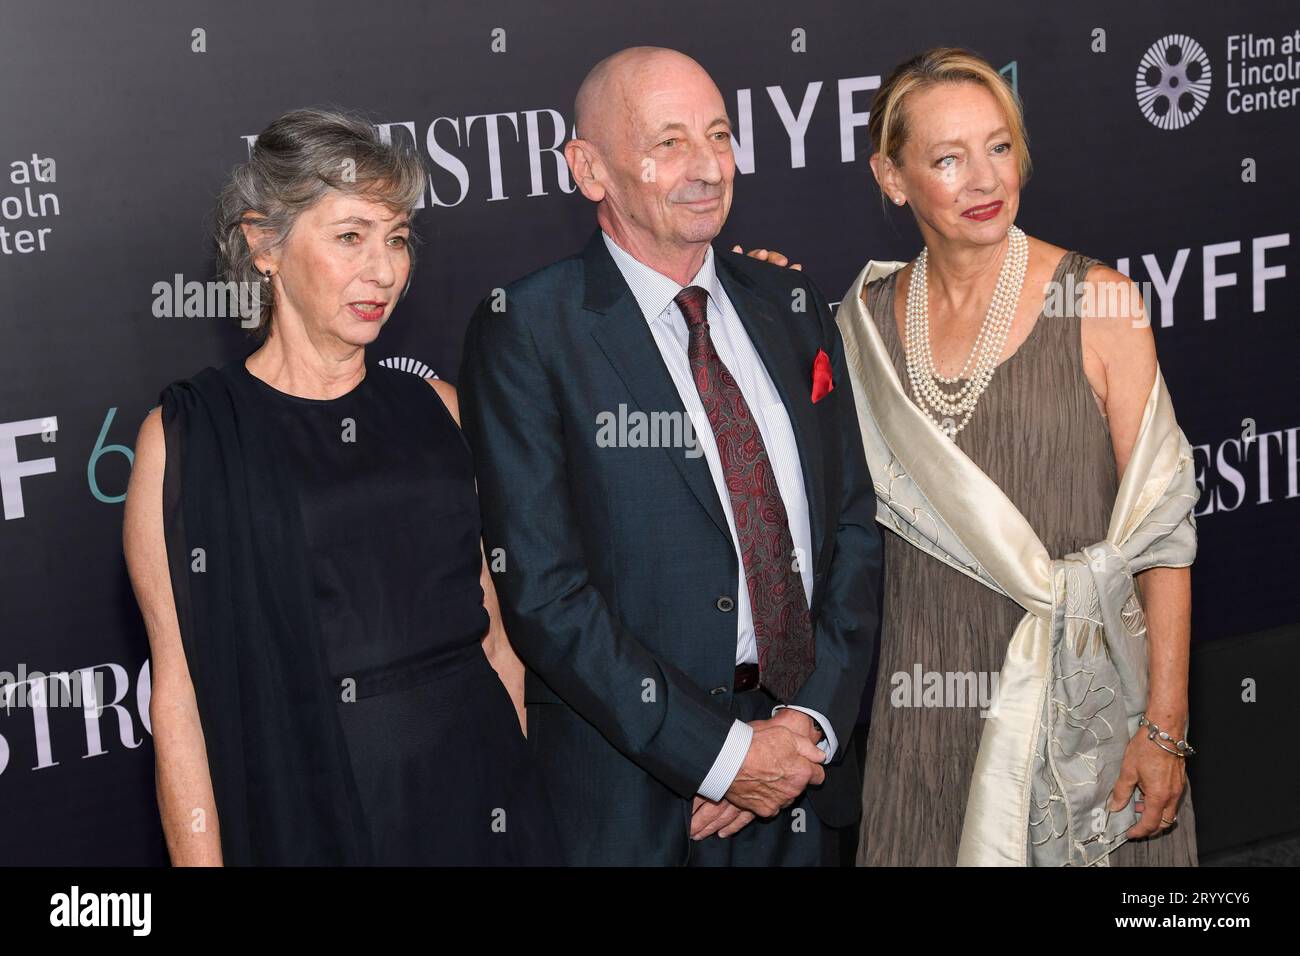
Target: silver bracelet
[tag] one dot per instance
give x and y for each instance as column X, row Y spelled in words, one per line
column 1181, row 748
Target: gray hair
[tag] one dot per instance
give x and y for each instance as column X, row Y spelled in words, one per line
column 294, row 163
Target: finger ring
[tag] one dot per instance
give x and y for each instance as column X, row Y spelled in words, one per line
column 1169, row 822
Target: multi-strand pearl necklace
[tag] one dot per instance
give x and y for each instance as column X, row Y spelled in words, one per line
column 952, row 410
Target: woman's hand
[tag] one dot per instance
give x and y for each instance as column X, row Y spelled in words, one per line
column 769, row 255
column 1159, row 776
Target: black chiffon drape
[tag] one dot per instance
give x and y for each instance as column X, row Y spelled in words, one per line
column 277, row 757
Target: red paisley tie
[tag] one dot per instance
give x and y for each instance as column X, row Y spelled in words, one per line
column 782, row 624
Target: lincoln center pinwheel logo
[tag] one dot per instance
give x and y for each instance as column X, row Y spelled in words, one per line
column 1173, row 81
column 406, row 364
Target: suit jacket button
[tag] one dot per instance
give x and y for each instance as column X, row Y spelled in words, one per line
column 726, row 604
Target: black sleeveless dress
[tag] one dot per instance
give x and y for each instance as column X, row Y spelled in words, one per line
column 390, row 517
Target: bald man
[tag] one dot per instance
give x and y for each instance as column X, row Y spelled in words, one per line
column 669, row 462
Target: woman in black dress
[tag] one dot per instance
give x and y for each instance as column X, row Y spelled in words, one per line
column 331, row 683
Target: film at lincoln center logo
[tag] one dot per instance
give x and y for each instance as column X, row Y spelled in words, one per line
column 1173, row 81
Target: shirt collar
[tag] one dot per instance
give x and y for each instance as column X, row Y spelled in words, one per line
column 654, row 292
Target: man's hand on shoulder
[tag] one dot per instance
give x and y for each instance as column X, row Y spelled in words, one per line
column 769, row 255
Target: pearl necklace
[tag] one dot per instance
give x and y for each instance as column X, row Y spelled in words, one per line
column 945, row 408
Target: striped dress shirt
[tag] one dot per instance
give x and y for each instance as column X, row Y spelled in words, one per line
column 654, row 294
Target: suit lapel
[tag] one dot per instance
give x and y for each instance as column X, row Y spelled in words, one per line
column 627, row 342
column 775, row 338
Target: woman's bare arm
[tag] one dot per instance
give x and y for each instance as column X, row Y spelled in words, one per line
column 185, row 799
column 1120, row 359
column 1120, row 362
column 499, row 653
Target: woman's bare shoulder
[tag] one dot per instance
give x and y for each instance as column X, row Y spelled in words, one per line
column 149, row 441
column 447, row 392
column 1115, row 302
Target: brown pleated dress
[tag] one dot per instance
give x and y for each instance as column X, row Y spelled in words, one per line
column 1034, row 426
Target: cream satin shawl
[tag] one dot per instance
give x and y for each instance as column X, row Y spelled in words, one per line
column 1075, row 676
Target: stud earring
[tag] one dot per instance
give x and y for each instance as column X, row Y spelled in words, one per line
column 266, row 276
column 898, row 200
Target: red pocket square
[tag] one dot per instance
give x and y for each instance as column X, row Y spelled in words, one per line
column 823, row 385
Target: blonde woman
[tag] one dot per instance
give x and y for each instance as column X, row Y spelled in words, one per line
column 1031, row 705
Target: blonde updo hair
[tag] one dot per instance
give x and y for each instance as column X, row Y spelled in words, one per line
column 888, row 123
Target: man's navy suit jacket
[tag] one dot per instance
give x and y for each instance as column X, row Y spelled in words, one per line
column 615, row 566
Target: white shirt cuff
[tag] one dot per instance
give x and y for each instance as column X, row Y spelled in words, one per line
column 828, row 744
column 727, row 764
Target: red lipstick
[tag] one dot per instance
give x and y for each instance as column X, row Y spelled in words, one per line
column 985, row 212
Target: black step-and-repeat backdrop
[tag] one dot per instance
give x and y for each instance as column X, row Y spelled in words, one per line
column 1164, row 137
